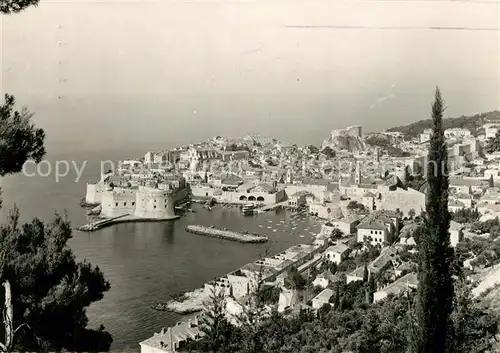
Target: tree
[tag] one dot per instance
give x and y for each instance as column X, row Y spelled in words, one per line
column 217, row 330
column 474, row 327
column 435, row 290
column 15, row 6
column 294, row 279
column 49, row 289
column 370, row 289
column 337, row 234
column 336, row 301
column 328, row 151
column 411, row 213
column 493, row 144
column 46, row 290
column 466, row 215
column 19, row 139
column 313, row 149
column 356, row 206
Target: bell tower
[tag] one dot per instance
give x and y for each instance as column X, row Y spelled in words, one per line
column 357, row 175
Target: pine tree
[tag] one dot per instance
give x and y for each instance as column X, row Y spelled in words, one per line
column 435, row 291
column 15, row 6
column 214, row 325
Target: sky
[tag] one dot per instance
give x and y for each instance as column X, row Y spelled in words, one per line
column 104, row 73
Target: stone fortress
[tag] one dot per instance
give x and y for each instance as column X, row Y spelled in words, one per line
column 143, row 198
column 350, row 139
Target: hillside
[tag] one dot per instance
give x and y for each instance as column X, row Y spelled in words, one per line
column 472, row 123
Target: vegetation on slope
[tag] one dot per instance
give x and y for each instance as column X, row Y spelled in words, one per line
column 473, row 123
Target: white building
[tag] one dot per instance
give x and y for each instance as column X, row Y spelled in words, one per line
column 405, row 283
column 356, row 275
column 378, row 228
column 456, row 233
column 324, row 279
column 336, row 253
column 322, row 298
column 491, row 130
column 425, row 136
column 457, row 133
column 455, row 205
column 288, row 300
column 173, row 339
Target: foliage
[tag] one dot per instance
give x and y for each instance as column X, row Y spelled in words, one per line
column 337, row 234
column 486, row 252
column 413, row 180
column 435, row 290
column 15, row 6
column 269, row 294
column 466, row 215
column 20, row 140
column 50, row 290
column 313, row 149
column 464, row 122
column 491, row 226
column 235, row 147
column 218, row 333
column 474, row 327
column 329, row 152
column 493, row 144
column 393, row 151
column 356, row 206
column 328, row 266
column 294, row 279
column 378, row 140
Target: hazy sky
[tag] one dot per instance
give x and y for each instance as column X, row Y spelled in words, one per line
column 112, row 72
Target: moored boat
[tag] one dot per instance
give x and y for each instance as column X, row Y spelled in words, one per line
column 249, row 208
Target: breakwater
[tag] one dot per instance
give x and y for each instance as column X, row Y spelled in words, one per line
column 226, row 234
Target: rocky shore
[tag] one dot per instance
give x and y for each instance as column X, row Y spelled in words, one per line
column 190, row 302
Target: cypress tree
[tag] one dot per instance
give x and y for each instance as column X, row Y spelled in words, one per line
column 435, row 290
column 336, row 303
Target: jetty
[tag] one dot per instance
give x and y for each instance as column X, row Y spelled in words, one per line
column 241, row 237
column 90, row 227
column 126, row 218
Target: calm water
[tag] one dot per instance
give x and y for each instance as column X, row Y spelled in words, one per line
column 145, row 262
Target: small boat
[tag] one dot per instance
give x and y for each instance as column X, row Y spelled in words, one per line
column 249, row 208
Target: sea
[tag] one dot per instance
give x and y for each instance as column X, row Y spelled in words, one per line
column 145, row 263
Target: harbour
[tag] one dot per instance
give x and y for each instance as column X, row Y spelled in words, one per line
column 147, row 262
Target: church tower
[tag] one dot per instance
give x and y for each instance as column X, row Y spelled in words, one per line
column 357, row 176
